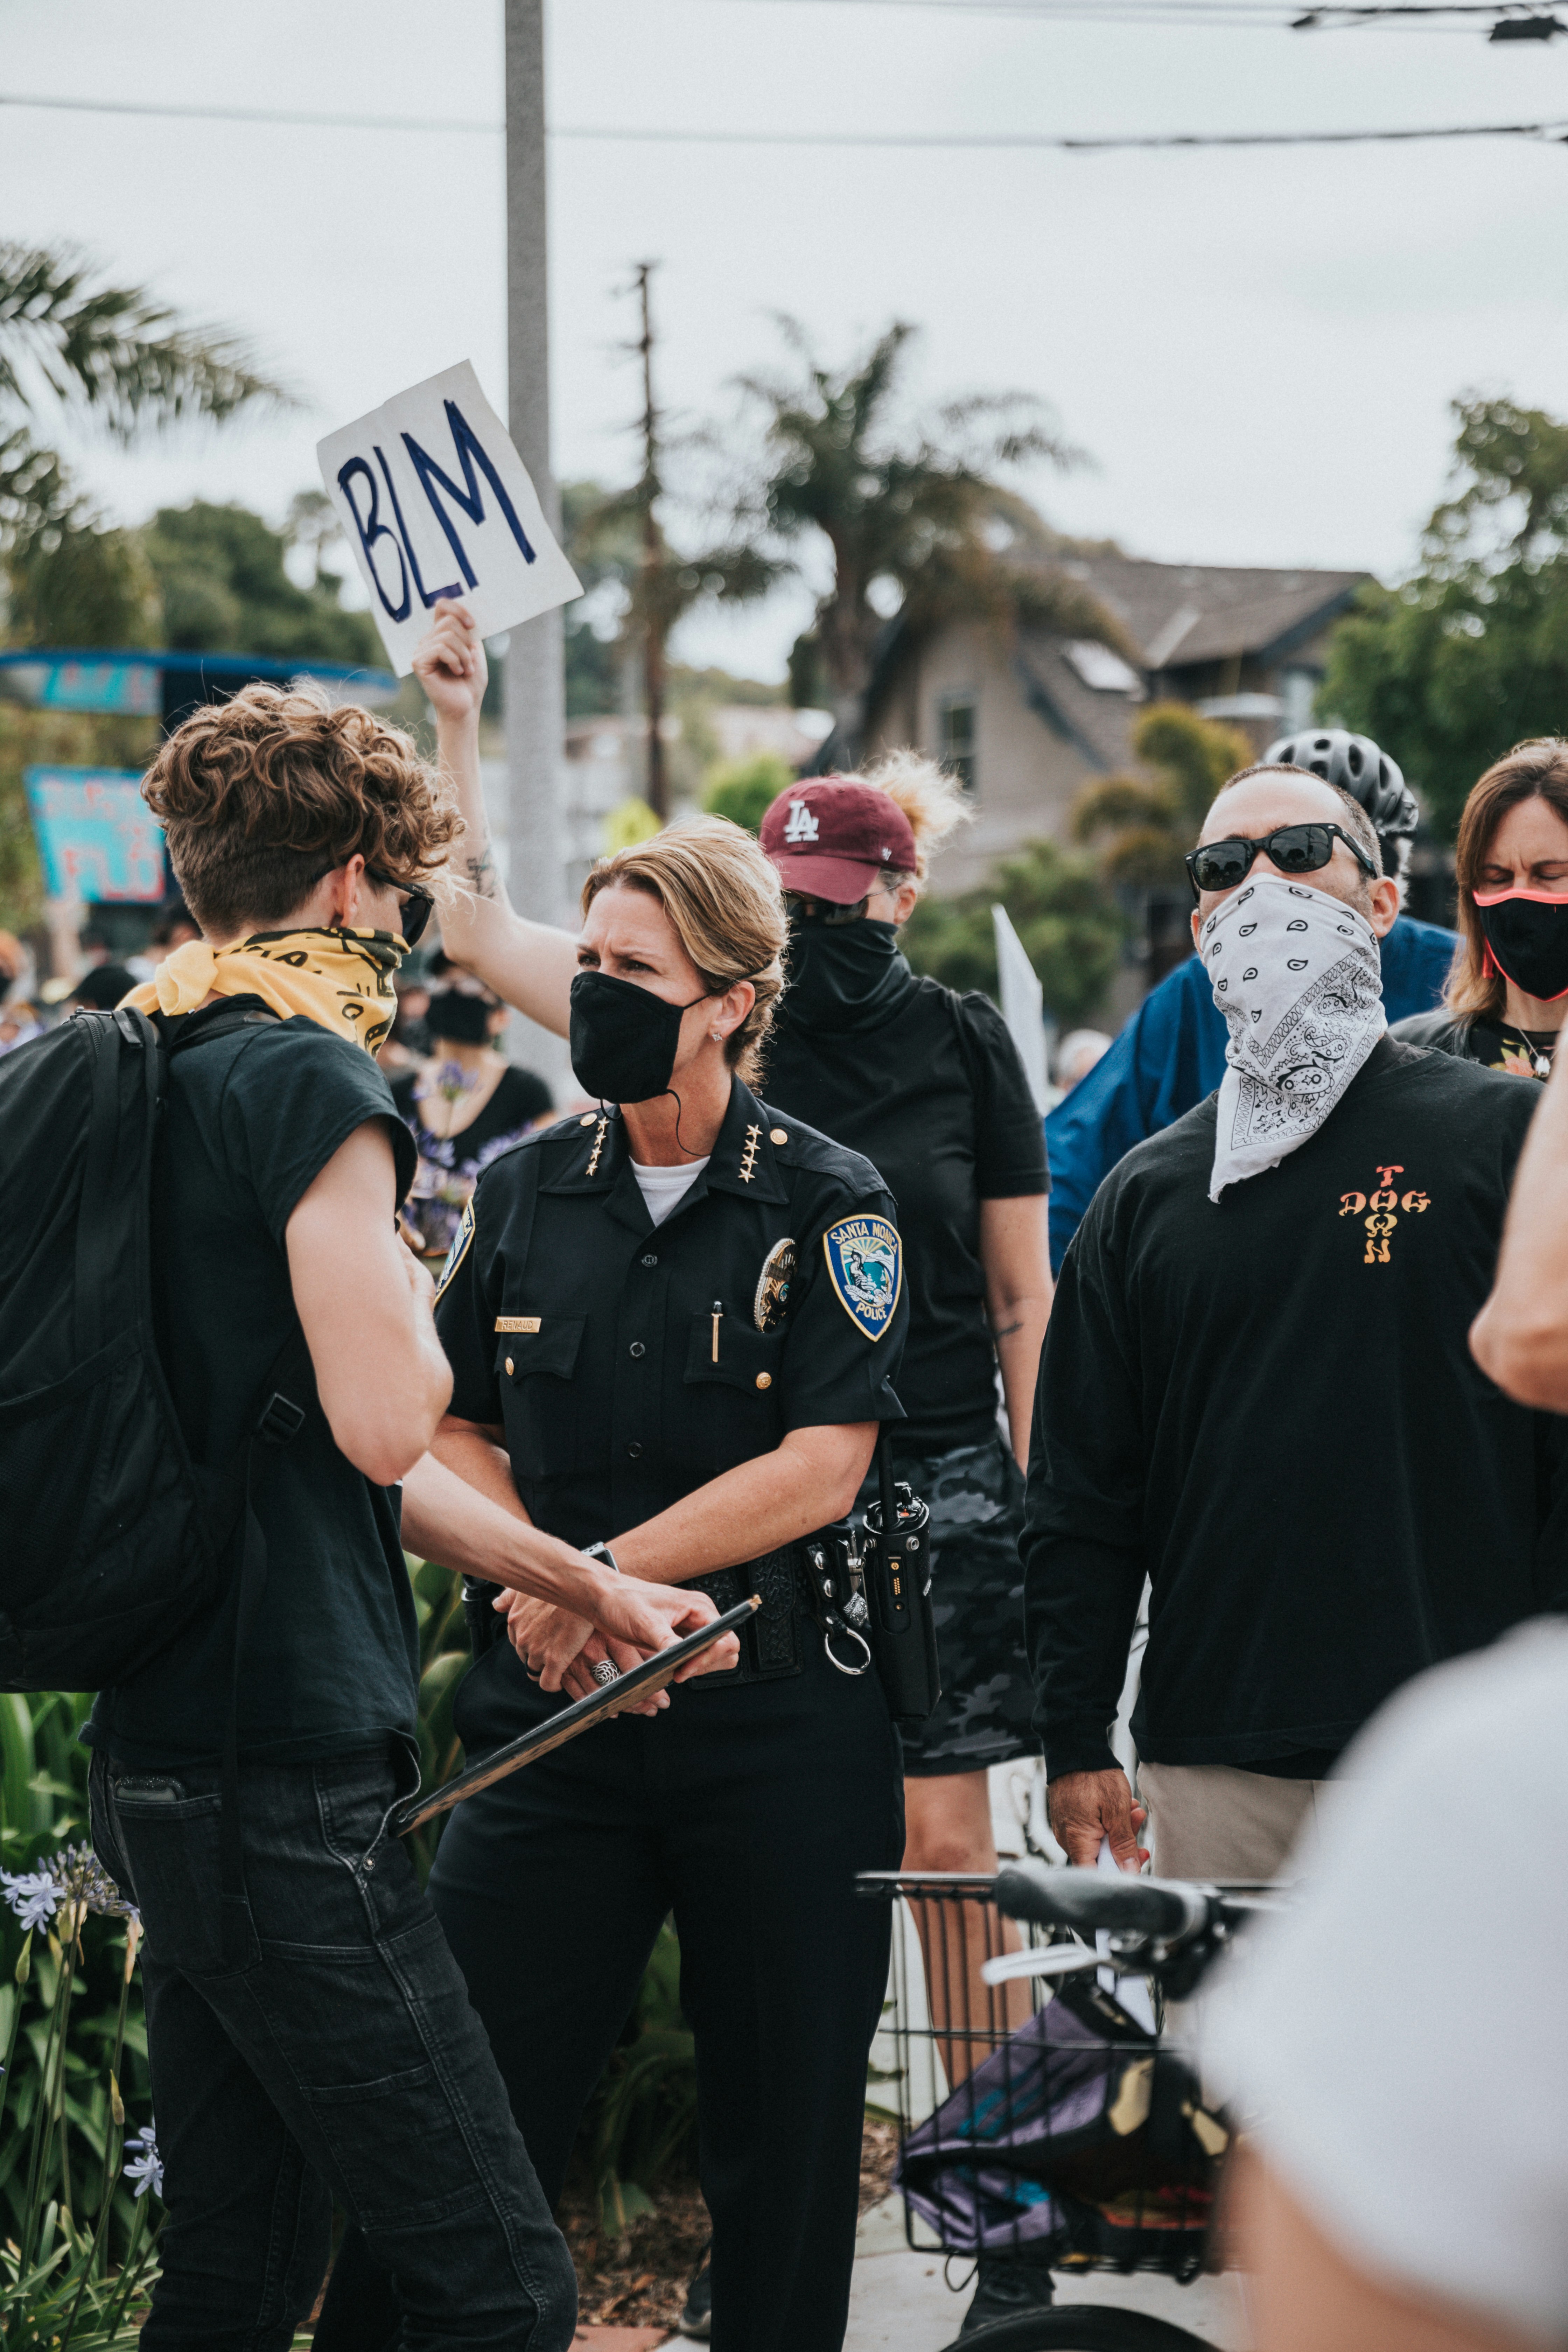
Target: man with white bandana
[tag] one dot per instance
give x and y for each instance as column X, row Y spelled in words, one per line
column 1255, row 1391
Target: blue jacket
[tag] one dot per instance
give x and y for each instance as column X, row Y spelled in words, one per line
column 1171, row 1055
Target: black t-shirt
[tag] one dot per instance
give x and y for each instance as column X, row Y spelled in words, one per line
column 630, row 1363
column 1266, row 1405
column 332, row 1660
column 936, row 1099
column 450, row 1165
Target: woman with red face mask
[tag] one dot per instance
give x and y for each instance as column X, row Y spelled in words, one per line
column 1508, row 993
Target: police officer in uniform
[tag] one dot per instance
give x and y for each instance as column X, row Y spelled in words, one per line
column 674, row 1323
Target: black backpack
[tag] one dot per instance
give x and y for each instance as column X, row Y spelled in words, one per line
column 111, row 1538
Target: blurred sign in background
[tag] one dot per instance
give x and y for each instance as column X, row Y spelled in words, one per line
column 98, row 841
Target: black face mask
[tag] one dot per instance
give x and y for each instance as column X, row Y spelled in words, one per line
column 622, row 1039
column 465, row 1020
column 844, row 976
column 1527, row 932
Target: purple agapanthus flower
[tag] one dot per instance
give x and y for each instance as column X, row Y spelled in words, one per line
column 146, row 2165
column 33, row 1894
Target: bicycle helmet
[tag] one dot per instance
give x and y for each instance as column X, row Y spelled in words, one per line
column 1355, row 763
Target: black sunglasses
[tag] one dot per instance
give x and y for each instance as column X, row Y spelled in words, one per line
column 417, row 905
column 1294, row 849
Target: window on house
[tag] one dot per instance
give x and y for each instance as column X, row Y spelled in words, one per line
column 956, row 737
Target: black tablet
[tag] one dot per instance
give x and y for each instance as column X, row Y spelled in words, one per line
column 581, row 1716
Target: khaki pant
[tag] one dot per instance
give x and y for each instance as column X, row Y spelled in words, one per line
column 1210, row 1820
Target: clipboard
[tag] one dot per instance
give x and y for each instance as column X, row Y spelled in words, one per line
column 581, row 1716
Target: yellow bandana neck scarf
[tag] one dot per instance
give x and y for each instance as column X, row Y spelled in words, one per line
column 340, row 979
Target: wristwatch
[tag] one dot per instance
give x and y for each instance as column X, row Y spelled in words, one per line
column 601, row 1551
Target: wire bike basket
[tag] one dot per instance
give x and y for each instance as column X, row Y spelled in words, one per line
column 1039, row 2117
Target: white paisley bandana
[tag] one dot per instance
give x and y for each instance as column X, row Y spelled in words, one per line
column 1299, row 979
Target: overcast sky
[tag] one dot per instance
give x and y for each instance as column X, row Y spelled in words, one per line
column 1258, row 349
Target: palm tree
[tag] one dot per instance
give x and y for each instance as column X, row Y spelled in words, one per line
column 112, row 356
column 915, row 521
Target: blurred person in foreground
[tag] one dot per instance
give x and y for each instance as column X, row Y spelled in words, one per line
column 312, row 2038
column 465, row 1106
column 1508, row 993
column 1171, row 1052
column 1403, row 2183
column 1256, row 1390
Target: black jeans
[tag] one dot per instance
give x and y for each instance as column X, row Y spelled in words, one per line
column 746, row 1810
column 335, row 2054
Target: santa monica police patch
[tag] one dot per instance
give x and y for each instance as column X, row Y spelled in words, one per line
column 866, row 1265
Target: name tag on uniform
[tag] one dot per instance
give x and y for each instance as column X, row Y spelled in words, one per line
column 517, row 1322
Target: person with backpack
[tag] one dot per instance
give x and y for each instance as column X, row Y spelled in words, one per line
column 309, row 2031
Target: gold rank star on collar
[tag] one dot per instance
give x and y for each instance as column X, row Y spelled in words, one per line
column 749, row 1157
column 598, row 1142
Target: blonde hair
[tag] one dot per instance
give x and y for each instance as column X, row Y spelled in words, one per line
column 933, row 803
column 723, row 897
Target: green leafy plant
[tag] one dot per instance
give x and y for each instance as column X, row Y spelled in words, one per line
column 1069, row 923
column 1149, row 821
column 1470, row 655
column 64, row 2182
column 744, row 790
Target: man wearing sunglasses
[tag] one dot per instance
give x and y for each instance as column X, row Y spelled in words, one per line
column 1171, row 1052
column 1255, row 1390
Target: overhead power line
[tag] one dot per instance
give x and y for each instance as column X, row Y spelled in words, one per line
column 1553, row 129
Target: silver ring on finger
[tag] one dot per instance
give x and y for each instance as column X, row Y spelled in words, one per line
column 606, row 1672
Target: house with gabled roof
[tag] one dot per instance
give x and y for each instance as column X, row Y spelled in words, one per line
column 1030, row 719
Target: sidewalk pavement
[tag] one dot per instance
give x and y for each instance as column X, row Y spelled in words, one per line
column 901, row 2301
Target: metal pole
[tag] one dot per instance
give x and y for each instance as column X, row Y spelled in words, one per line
column 653, row 566
column 535, row 697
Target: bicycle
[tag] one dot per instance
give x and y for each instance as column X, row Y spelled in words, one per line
column 1078, row 2137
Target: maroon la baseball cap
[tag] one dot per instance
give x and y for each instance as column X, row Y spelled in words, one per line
column 831, row 837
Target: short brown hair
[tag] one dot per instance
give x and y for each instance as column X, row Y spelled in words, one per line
column 1537, row 770
column 262, row 795
column 723, row 895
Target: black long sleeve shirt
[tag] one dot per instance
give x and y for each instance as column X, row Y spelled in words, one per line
column 1266, row 1405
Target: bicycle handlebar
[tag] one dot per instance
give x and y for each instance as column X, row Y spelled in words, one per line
column 1091, row 1899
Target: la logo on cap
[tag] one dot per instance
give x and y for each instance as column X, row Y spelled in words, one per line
column 802, row 825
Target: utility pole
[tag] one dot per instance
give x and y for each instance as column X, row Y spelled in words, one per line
column 652, row 565
column 535, row 694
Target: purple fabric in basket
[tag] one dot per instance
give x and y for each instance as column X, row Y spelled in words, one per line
column 1047, row 2082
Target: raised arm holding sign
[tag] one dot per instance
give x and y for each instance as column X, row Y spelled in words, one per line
column 435, row 503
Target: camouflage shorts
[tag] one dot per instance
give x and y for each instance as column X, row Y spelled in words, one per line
column 975, row 1495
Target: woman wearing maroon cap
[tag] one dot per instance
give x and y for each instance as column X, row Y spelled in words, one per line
column 929, row 1085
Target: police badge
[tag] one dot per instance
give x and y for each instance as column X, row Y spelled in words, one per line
column 772, row 1286
column 865, row 1265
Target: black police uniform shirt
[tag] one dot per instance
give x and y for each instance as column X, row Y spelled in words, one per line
column 630, row 1363
column 332, row 1660
column 1266, row 1405
column 936, row 1096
